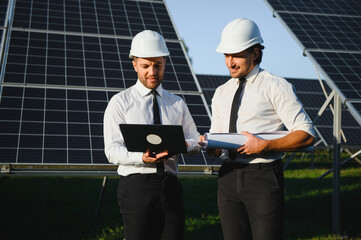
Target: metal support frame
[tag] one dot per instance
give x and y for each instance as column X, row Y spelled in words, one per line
column 337, row 137
column 352, row 156
column 288, row 161
column 100, row 200
column 109, row 170
column 304, row 154
column 336, row 229
column 312, row 166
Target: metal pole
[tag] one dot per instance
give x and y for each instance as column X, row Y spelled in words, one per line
column 101, row 196
column 336, row 165
column 289, row 160
column 312, row 165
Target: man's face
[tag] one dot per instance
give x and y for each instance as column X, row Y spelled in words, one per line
column 150, row 71
column 240, row 64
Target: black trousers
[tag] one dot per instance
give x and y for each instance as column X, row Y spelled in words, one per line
column 151, row 207
column 251, row 201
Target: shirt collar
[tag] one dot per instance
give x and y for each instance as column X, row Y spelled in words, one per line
column 252, row 75
column 144, row 91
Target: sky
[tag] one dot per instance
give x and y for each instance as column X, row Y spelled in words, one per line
column 200, row 23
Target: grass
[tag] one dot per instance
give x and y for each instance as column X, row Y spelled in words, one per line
column 64, row 207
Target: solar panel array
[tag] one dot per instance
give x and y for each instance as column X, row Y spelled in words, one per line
column 63, row 62
column 312, row 97
column 329, row 32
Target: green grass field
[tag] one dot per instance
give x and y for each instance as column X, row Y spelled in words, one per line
column 64, row 207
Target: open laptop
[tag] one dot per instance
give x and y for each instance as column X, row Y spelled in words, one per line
column 156, row 138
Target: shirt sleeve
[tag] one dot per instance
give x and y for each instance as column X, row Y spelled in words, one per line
column 190, row 131
column 114, row 147
column 290, row 109
column 216, row 123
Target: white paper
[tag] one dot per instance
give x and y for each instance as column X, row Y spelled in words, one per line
column 236, row 140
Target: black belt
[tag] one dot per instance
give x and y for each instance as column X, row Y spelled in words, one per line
column 149, row 176
column 237, row 165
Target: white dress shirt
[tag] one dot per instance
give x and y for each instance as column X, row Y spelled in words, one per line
column 268, row 103
column 134, row 106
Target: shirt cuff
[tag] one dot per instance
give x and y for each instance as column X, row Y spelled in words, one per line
column 307, row 130
column 192, row 145
column 136, row 158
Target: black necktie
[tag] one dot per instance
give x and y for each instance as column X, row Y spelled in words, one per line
column 233, row 117
column 156, row 117
column 235, row 107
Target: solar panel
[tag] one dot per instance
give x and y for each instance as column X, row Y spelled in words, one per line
column 63, row 62
column 209, row 83
column 121, row 18
column 3, row 12
column 312, row 97
column 44, row 125
column 336, row 7
column 84, row 61
column 329, row 33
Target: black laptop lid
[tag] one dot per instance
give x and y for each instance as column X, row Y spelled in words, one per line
column 156, row 138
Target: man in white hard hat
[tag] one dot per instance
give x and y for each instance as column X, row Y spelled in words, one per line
column 149, row 194
column 250, row 183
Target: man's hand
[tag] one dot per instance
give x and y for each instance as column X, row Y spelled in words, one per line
column 293, row 141
column 253, row 145
column 213, row 152
column 201, row 141
column 148, row 157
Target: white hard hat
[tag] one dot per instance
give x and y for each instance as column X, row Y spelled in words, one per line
column 148, row 44
column 238, row 35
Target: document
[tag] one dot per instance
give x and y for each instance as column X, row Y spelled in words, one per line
column 236, row 140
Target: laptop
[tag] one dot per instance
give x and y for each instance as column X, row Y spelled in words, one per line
column 156, row 138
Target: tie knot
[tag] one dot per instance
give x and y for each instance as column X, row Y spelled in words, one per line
column 154, row 92
column 241, row 80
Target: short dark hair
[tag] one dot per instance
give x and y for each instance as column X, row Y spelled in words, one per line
column 258, row 60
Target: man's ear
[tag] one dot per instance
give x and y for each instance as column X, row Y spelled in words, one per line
column 134, row 65
column 255, row 53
